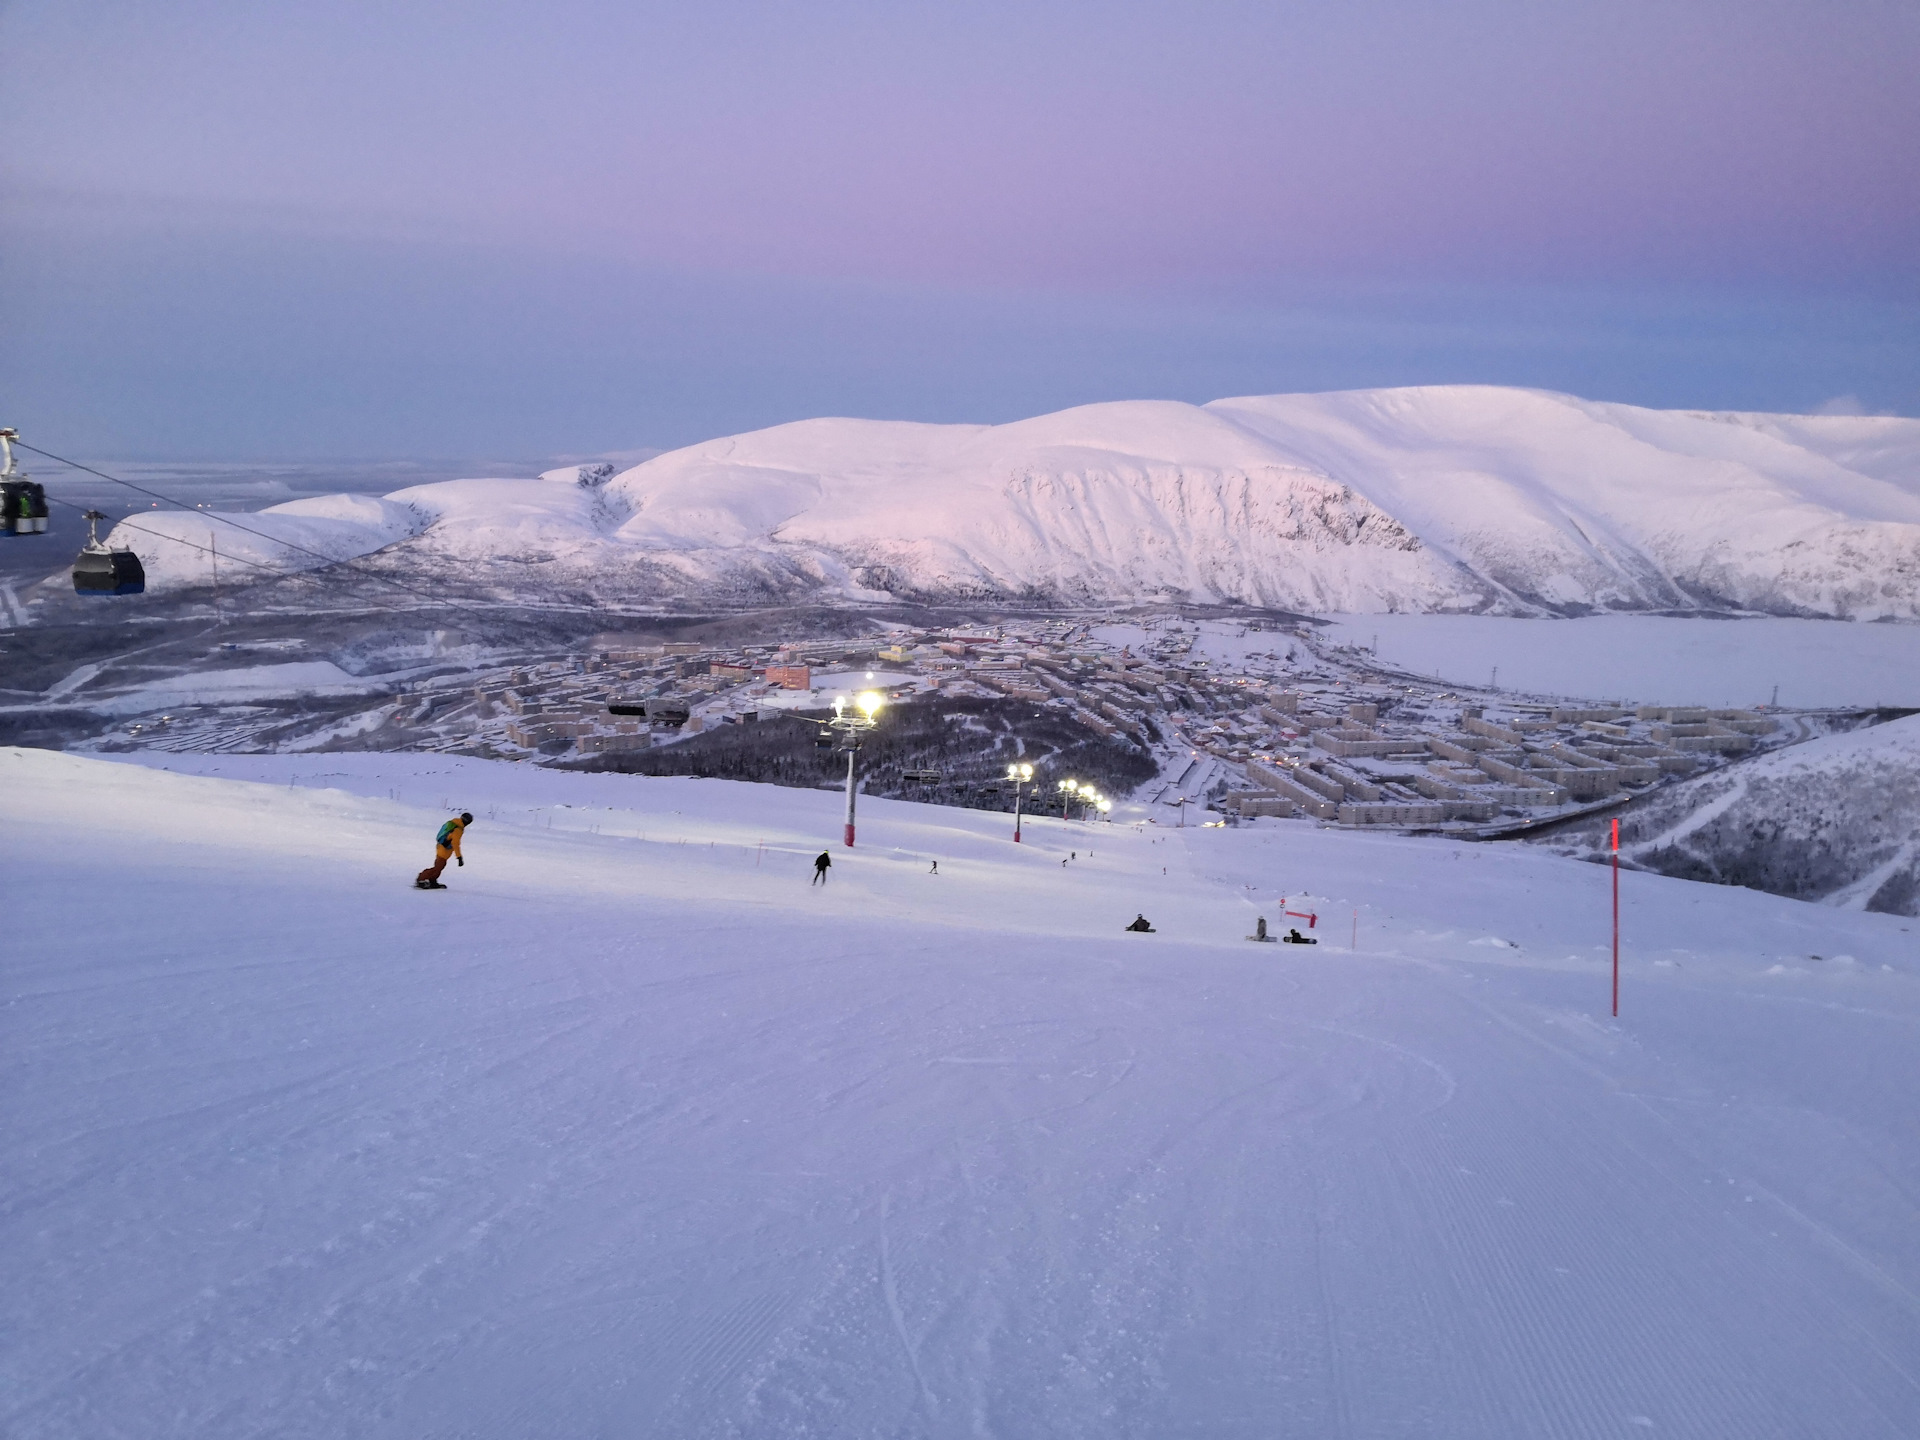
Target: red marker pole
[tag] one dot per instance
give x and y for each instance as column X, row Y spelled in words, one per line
column 1616, row 917
column 849, row 836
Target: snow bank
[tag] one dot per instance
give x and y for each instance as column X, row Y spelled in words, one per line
column 633, row 1131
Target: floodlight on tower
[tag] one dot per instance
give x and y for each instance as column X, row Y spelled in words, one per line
column 1019, row 774
column 850, row 724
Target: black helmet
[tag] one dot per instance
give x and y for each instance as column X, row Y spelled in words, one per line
column 466, row 818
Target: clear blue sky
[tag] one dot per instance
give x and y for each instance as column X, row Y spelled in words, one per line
column 409, row 229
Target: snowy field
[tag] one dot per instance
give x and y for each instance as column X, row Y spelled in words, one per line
column 1654, row 658
column 237, row 686
column 633, row 1132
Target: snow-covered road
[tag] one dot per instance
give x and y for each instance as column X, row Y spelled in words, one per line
column 633, row 1132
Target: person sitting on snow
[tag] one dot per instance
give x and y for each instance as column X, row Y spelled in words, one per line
column 1140, row 924
column 445, row 844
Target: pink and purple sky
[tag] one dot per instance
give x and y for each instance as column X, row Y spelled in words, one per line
column 234, row 230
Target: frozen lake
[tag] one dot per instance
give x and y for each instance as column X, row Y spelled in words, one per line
column 1656, row 658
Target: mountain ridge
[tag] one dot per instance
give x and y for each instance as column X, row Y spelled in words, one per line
column 1442, row 498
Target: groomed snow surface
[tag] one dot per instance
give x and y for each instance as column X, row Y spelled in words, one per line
column 633, row 1132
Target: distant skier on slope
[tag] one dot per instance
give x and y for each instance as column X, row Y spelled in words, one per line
column 822, row 863
column 1140, row 924
column 446, row 845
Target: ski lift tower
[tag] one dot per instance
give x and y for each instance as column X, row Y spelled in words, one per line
column 1020, row 774
column 849, row 725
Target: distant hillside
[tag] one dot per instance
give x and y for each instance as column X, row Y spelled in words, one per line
column 1835, row 820
column 1459, row 498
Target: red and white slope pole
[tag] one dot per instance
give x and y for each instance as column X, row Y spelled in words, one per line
column 1616, row 916
column 851, row 754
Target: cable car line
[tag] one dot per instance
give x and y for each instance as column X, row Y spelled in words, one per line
column 329, row 560
column 181, row 540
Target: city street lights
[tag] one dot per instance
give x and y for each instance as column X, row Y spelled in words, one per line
column 850, row 723
column 1019, row 775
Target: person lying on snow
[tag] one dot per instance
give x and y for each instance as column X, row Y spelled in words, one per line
column 1140, row 924
column 446, row 844
column 1294, row 937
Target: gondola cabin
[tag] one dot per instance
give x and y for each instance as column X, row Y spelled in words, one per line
column 98, row 570
column 23, row 503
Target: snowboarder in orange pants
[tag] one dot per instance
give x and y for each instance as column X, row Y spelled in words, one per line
column 446, row 845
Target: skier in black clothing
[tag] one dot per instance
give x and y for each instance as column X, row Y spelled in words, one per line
column 822, row 863
column 1140, row 924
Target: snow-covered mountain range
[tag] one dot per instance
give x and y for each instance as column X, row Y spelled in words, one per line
column 1455, row 498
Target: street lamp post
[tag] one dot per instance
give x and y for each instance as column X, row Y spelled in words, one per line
column 1068, row 789
column 1019, row 775
column 850, row 723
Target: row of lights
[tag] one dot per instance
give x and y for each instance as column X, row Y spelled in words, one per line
column 1022, row 774
column 863, row 716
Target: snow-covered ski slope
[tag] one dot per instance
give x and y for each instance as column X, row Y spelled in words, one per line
column 632, row 1132
column 1836, row 819
column 1448, row 498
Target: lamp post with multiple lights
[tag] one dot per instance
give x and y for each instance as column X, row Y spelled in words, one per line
column 1019, row 775
column 850, row 723
column 1087, row 796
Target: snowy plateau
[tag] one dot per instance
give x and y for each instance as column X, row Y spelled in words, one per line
column 1467, row 499
column 635, row 1132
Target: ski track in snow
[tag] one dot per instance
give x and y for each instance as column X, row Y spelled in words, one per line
column 636, row 1136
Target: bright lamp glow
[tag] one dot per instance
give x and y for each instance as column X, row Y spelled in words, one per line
column 1105, row 806
column 869, row 702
